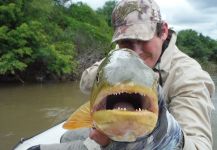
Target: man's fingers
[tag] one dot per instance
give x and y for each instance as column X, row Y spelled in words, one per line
column 99, row 137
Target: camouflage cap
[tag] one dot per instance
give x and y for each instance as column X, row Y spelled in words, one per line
column 135, row 19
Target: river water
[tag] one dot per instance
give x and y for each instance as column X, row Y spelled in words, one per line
column 26, row 110
column 29, row 109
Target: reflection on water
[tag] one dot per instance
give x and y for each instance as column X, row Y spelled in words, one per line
column 30, row 109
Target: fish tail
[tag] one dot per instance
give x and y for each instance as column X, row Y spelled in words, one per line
column 81, row 118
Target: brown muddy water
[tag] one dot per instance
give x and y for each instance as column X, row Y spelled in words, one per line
column 26, row 110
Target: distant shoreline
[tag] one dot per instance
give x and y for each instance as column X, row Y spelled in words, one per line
column 209, row 66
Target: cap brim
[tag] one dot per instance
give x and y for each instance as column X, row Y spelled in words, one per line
column 143, row 31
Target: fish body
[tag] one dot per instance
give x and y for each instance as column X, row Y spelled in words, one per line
column 123, row 103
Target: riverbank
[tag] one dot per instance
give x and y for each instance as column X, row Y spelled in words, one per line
column 209, row 66
column 84, row 60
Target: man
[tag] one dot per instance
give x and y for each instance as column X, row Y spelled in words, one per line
column 187, row 88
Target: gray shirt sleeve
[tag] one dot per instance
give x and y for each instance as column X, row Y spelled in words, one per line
column 75, row 145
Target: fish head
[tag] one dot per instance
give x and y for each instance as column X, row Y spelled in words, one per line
column 123, row 101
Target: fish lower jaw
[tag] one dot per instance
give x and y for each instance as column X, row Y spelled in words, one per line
column 125, row 126
column 125, row 109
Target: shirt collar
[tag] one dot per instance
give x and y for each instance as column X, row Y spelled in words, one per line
column 166, row 58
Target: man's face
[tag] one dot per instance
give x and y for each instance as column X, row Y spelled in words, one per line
column 149, row 51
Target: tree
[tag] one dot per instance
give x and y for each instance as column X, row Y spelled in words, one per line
column 213, row 55
column 32, row 42
column 90, row 33
column 106, row 10
column 190, row 43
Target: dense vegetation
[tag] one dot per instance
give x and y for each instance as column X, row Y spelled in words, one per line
column 197, row 45
column 200, row 47
column 42, row 42
column 57, row 40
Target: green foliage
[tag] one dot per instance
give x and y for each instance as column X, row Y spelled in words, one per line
column 52, row 40
column 14, row 49
column 213, row 55
column 196, row 45
column 57, row 58
column 87, row 17
column 106, row 10
column 9, row 63
column 39, row 10
column 11, row 14
column 43, row 40
column 88, row 30
column 29, row 38
column 83, row 13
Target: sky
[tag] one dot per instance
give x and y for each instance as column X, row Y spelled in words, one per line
column 199, row 15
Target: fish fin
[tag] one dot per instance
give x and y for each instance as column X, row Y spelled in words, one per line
column 81, row 118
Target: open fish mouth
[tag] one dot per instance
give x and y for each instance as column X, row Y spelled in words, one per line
column 125, row 112
column 127, row 101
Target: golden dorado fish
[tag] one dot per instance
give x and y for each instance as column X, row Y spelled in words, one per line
column 123, row 103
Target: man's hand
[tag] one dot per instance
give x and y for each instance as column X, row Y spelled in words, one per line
column 99, row 137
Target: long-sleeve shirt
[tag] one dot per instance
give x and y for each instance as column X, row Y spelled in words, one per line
column 187, row 91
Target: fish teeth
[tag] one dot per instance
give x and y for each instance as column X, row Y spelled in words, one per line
column 139, row 109
column 119, row 108
column 124, row 109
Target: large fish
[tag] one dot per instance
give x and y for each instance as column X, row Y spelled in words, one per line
column 125, row 103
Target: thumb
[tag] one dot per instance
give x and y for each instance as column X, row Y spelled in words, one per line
column 99, row 137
